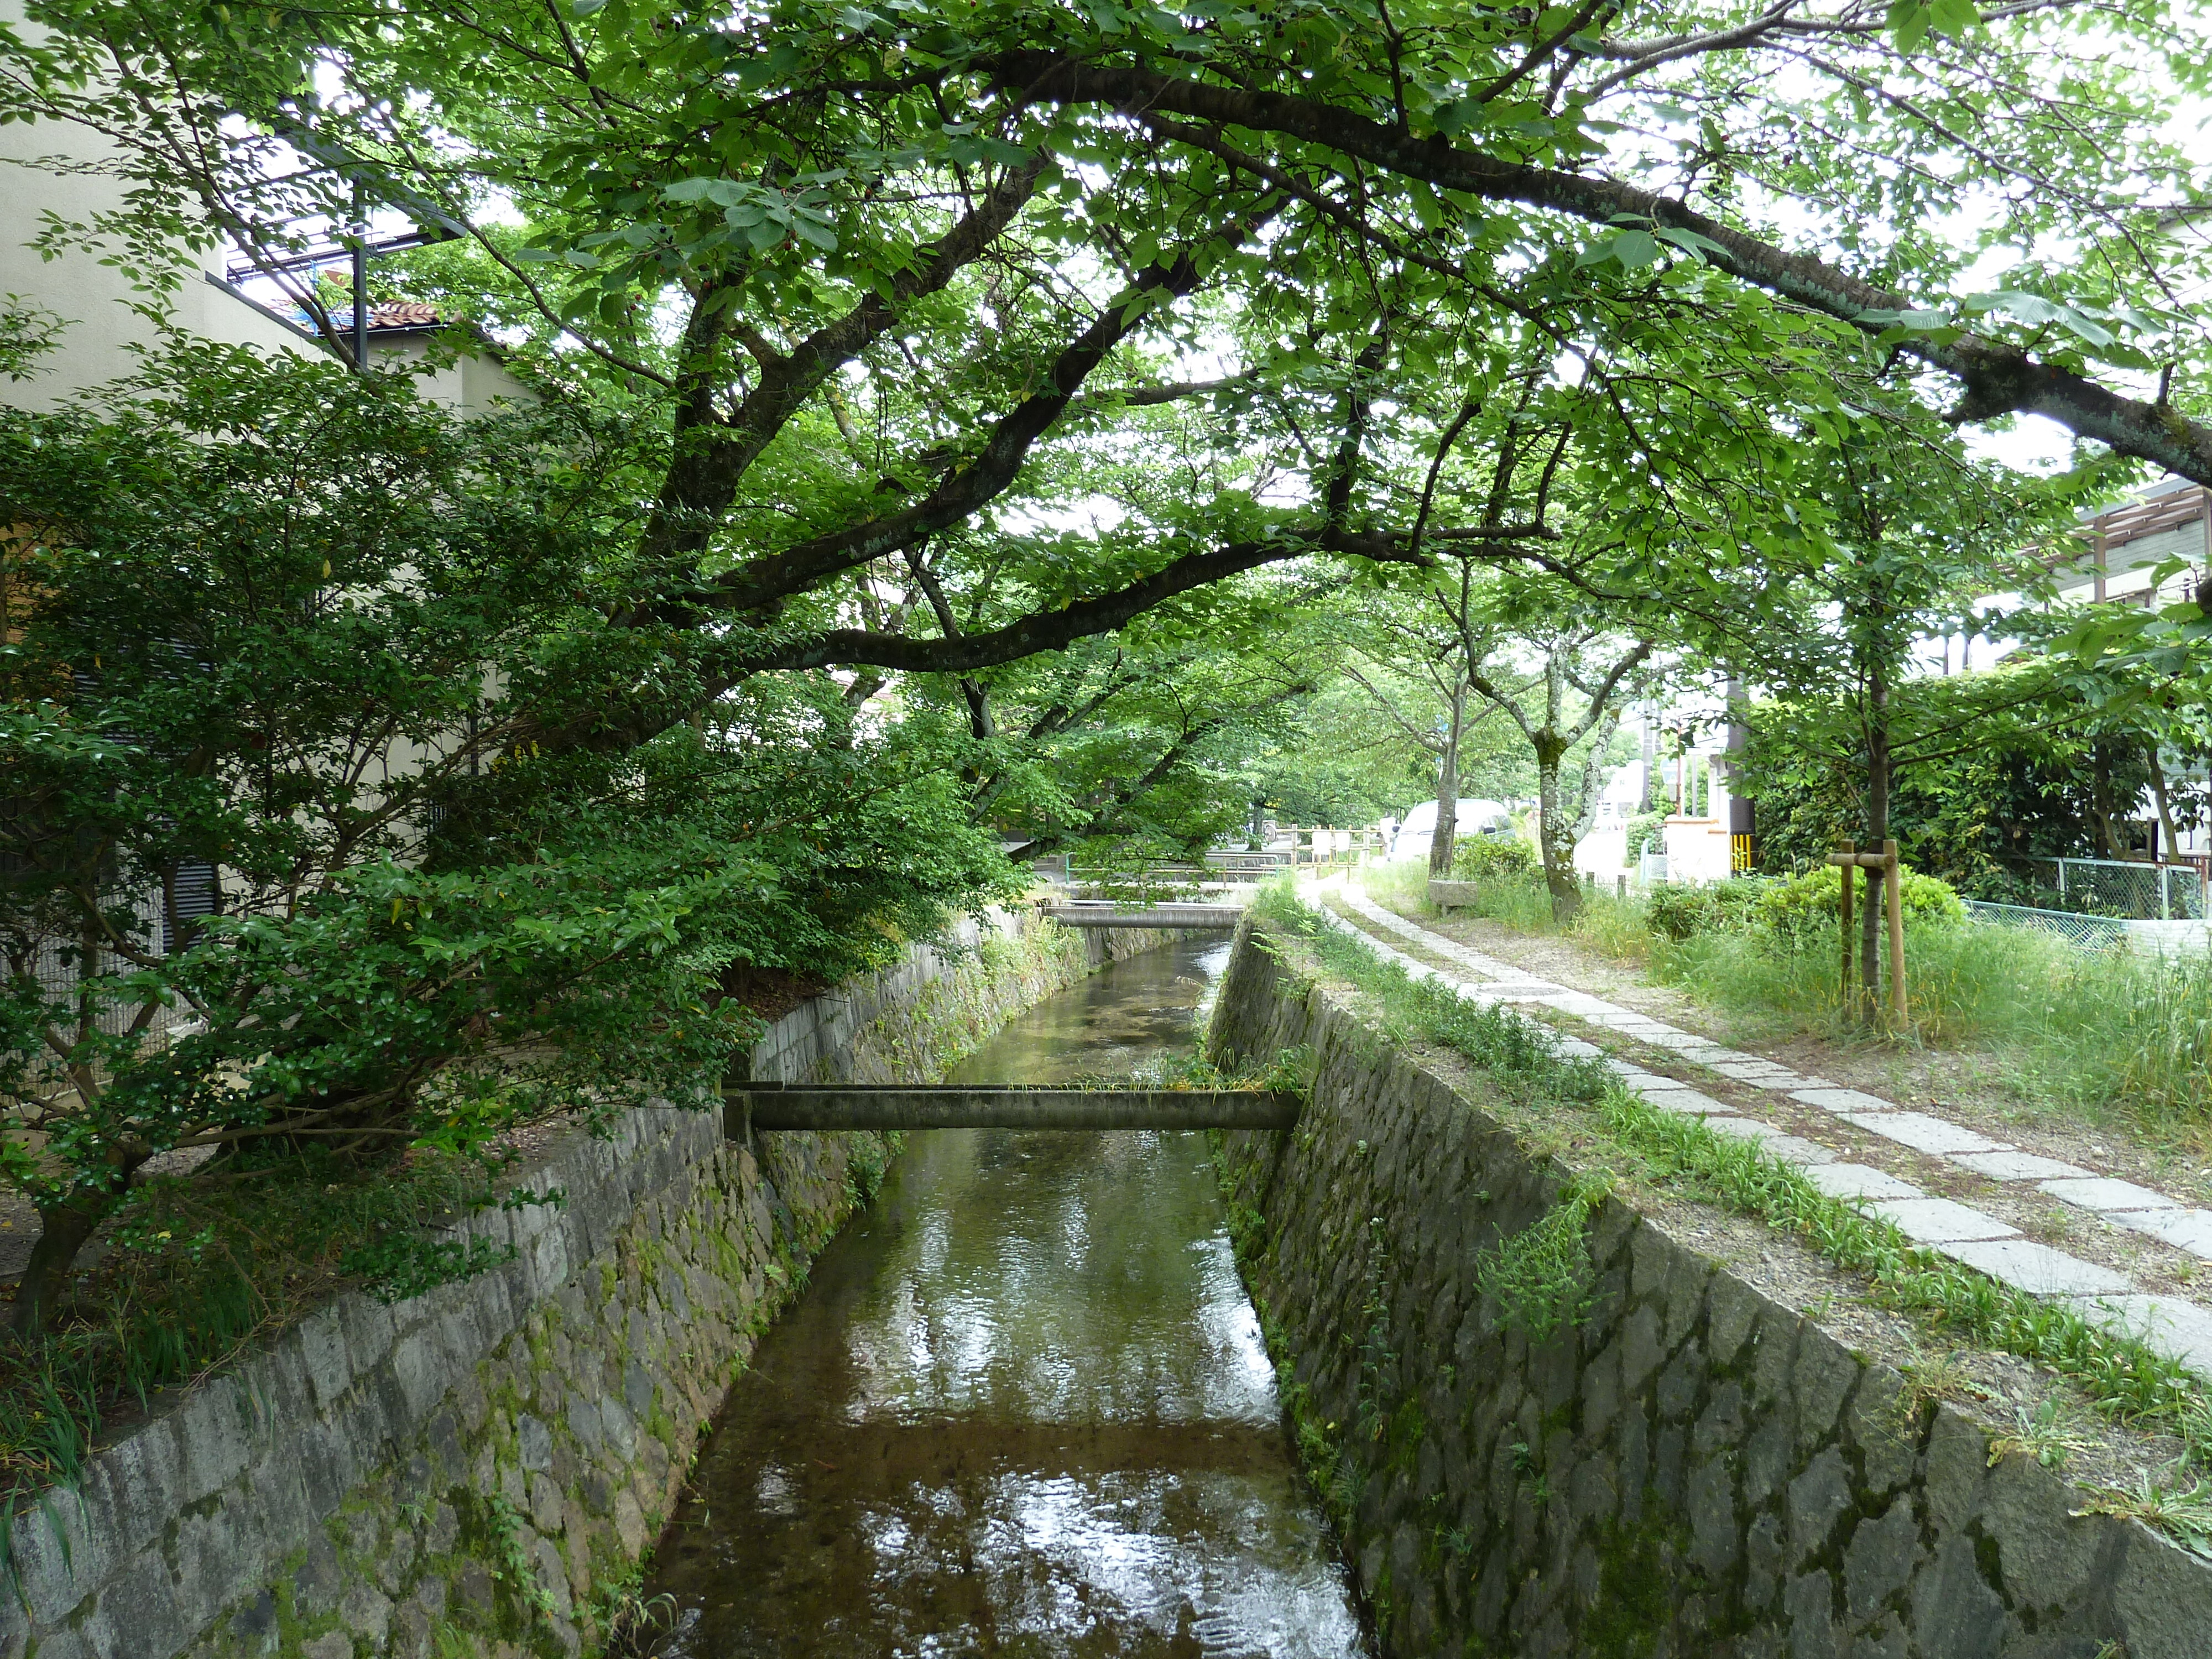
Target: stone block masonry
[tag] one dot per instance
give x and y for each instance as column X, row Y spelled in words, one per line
column 477, row 1470
column 1684, row 1469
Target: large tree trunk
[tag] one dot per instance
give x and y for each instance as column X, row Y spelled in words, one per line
column 1443, row 844
column 64, row 1230
column 1555, row 835
column 2171, row 837
column 2101, row 798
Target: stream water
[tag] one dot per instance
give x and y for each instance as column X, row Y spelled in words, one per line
column 1022, row 1408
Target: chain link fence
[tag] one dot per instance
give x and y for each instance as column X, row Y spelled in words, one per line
column 2123, row 888
column 2087, row 932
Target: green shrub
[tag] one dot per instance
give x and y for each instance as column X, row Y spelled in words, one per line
column 1681, row 912
column 1810, row 899
column 1647, row 833
column 1476, row 857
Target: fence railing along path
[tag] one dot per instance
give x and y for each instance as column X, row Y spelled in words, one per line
column 2135, row 889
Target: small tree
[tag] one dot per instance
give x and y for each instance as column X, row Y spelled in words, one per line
column 1906, row 535
column 1564, row 692
column 1415, row 647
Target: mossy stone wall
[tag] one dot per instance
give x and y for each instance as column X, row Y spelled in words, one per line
column 1687, row 1468
column 477, row 1470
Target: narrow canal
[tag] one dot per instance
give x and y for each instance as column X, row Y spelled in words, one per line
column 1022, row 1408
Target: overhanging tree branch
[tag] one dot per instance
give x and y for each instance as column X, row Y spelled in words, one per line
column 712, row 455
column 761, row 582
column 1996, row 378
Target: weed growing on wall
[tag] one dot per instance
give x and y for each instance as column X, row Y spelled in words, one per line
column 505, row 1525
column 632, row 1622
column 1540, row 1278
column 867, row 1160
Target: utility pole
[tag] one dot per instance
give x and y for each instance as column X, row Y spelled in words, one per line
column 1742, row 823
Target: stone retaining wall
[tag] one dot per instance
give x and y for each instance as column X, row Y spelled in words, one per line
column 477, row 1470
column 1690, row 1469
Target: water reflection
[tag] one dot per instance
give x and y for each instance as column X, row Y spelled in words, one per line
column 1023, row 1407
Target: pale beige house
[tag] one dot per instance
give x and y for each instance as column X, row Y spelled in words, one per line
column 53, row 170
column 58, row 170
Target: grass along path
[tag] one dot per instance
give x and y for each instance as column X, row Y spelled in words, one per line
column 2109, row 1053
column 1866, row 1152
column 1969, row 1086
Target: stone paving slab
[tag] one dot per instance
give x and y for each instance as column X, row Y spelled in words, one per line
column 1860, row 1180
column 2166, row 1324
column 2014, row 1166
column 1755, row 1076
column 1843, row 1100
column 2037, row 1269
column 1795, row 1149
column 1669, row 1037
column 1940, row 1220
column 1581, row 1003
column 1790, row 1148
column 2105, row 1193
column 1686, row 1100
column 2185, row 1229
column 1921, row 1133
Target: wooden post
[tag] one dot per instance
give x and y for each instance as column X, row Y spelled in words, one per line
column 1897, row 1012
column 1847, row 867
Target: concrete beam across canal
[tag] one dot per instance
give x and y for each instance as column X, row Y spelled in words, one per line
column 1099, row 913
column 890, row 1106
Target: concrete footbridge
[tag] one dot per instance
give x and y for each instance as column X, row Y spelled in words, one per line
column 749, row 1106
column 757, row 1106
column 1113, row 913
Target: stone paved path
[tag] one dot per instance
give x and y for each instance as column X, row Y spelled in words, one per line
column 2171, row 1324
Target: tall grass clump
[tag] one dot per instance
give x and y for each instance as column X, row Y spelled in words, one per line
column 1617, row 928
column 1403, row 885
column 1518, row 901
column 2111, row 1031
